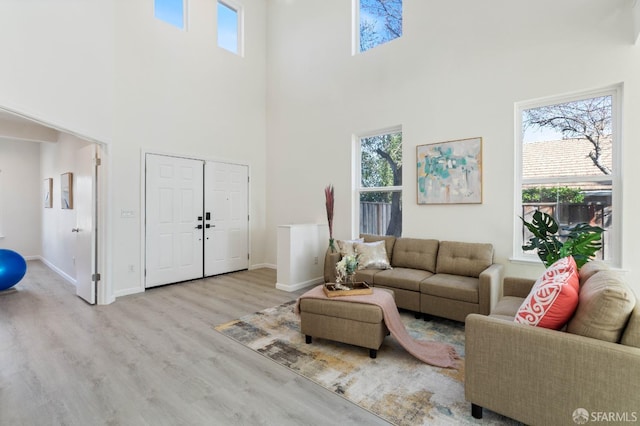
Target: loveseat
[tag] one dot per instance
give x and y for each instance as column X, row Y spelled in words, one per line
column 448, row 279
column 589, row 371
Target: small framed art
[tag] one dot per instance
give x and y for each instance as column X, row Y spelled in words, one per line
column 47, row 193
column 66, row 190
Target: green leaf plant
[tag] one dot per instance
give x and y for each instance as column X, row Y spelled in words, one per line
column 582, row 241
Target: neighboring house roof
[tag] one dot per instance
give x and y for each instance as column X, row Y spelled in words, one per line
column 541, row 159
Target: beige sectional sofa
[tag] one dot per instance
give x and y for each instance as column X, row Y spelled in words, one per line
column 444, row 278
column 588, row 373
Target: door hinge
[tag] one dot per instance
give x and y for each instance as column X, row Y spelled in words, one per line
column 95, row 277
column 248, row 258
column 98, row 161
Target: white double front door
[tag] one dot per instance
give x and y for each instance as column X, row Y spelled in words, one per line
column 196, row 219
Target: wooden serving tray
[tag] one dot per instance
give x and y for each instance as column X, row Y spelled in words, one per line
column 356, row 288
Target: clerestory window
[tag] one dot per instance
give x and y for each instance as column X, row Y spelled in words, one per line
column 171, row 11
column 230, row 31
column 376, row 22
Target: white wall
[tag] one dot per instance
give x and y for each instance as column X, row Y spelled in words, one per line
column 57, row 61
column 20, row 191
column 58, row 242
column 178, row 93
column 108, row 70
column 456, row 73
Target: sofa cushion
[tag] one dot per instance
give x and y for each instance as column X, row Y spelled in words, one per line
column 590, row 268
column 389, row 241
column 404, row 278
column 415, row 254
column 372, row 255
column 467, row 259
column 507, row 307
column 631, row 334
column 346, row 247
column 366, row 275
column 605, row 305
column 456, row 287
column 553, row 298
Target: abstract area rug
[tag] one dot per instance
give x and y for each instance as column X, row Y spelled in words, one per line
column 395, row 386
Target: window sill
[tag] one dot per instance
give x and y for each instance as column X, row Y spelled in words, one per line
column 525, row 260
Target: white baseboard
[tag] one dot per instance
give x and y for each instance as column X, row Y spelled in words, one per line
column 128, row 292
column 298, row 286
column 59, row 271
column 263, row 265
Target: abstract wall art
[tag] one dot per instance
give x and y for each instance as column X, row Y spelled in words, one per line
column 450, row 172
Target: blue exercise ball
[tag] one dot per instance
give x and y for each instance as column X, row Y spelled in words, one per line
column 12, row 268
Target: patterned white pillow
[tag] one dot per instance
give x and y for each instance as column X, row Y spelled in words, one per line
column 372, row 255
column 346, row 247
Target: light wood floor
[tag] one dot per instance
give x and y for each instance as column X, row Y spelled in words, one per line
column 150, row 359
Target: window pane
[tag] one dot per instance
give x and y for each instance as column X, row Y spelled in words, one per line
column 381, row 160
column 570, row 139
column 381, row 213
column 380, row 22
column 227, row 28
column 570, row 204
column 171, row 11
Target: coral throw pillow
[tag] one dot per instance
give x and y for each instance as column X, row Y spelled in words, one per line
column 553, row 298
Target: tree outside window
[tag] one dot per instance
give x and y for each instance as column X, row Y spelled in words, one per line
column 567, row 164
column 380, row 21
column 380, row 190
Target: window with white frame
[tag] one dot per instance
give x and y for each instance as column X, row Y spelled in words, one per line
column 171, row 11
column 230, row 18
column 568, row 165
column 376, row 22
column 379, row 183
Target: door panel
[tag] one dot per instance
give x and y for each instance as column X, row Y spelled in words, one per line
column 85, row 205
column 226, row 199
column 174, row 232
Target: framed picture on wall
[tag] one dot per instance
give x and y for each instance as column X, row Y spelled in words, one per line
column 47, row 193
column 66, row 190
column 450, row 172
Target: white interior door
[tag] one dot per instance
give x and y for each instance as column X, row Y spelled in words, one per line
column 85, row 196
column 174, row 221
column 226, row 218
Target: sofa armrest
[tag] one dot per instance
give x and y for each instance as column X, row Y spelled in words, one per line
column 489, row 288
column 540, row 376
column 517, row 287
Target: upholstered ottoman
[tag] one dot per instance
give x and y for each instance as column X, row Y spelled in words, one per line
column 359, row 324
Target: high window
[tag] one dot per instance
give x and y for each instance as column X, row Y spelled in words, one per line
column 171, row 11
column 568, row 165
column 379, row 183
column 230, row 26
column 376, row 22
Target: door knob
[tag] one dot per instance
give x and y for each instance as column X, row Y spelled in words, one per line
column 199, row 227
column 75, row 230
